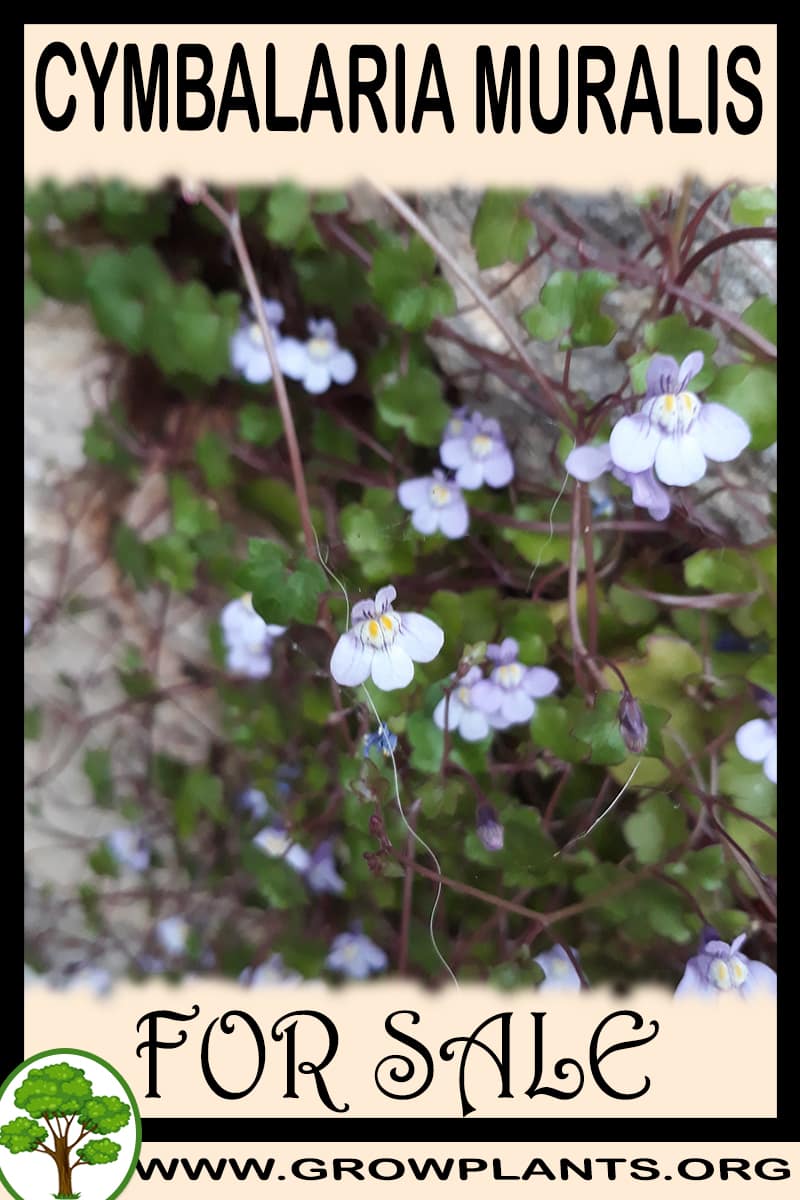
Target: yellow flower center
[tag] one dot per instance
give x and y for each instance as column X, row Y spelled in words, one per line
column 464, row 696
column 676, row 414
column 726, row 975
column 481, row 445
column 247, row 601
column 509, row 675
column 456, row 425
column 319, row 347
column 440, row 495
column 379, row 632
column 254, row 333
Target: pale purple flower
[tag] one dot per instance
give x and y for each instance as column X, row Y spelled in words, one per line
column 436, row 505
column 172, row 934
column 248, row 353
column 559, row 973
column 318, row 362
column 757, row 741
column 321, row 874
column 588, row 463
column 719, row 967
column 478, row 453
column 27, row 624
column 673, row 431
column 462, row 713
column 356, row 956
column 489, row 828
column 384, row 644
column 248, row 639
column 276, row 843
column 95, row 978
column 254, row 803
column 383, row 739
column 508, row 696
column 129, row 849
column 457, row 424
column 272, row 973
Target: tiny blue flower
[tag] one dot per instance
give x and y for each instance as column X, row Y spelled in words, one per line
column 384, row 739
column 356, row 956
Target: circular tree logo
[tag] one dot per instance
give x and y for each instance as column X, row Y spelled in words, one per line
column 56, row 1112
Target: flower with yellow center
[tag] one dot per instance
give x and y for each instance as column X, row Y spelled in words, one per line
column 722, row 969
column 436, row 505
column 384, row 644
column 673, row 432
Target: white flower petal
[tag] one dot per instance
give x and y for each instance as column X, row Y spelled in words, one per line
column 761, row 980
column 499, row 469
column 633, row 442
column 292, row 357
column 342, row 366
column 257, row 368
column 413, row 492
column 755, row 739
column 473, row 725
column 679, row 460
column 721, row 433
column 454, row 712
column 454, row 452
column 385, row 598
column 694, row 983
column 425, row 519
column 771, row 764
column 587, row 463
column 469, row 476
column 517, row 707
column 454, row 520
column 420, row 637
column 317, row 378
column 351, row 661
column 539, row 681
column 392, row 668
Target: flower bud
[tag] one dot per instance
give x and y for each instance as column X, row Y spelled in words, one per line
column 632, row 724
column 488, row 827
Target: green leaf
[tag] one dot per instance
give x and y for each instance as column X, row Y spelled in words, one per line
column 192, row 514
column 58, row 271
column 259, row 425
column 675, row 336
column 413, row 402
column 654, row 829
column 746, row 784
column 569, row 304
column 132, row 214
column 103, row 862
column 97, row 769
column 132, row 555
column 752, row 206
column 200, row 793
column 405, row 285
column 277, row 884
column 551, row 729
column 752, row 392
column 119, row 286
column 332, row 280
column 213, row 458
column 720, row 571
column 288, row 214
column 174, row 561
column 599, row 728
column 33, row 297
column 764, row 673
column 282, row 596
column 762, row 315
column 501, row 232
column 427, row 743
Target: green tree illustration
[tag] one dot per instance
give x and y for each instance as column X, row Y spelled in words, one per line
column 61, row 1096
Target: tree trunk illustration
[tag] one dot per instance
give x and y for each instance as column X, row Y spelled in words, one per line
column 64, row 1168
